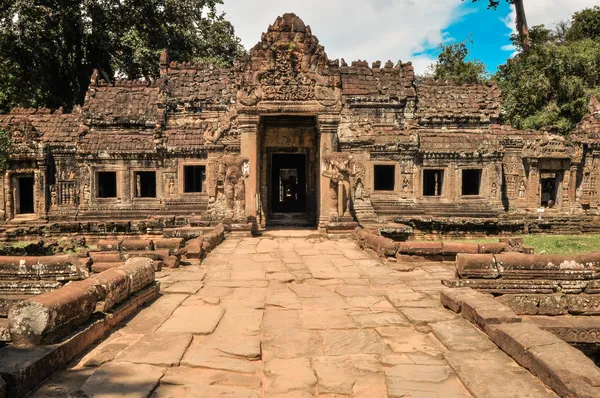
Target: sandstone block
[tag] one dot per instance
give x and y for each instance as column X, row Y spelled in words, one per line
column 47, row 317
column 483, row 310
column 140, row 272
column 454, row 248
column 109, row 244
column 101, row 267
column 420, row 248
column 137, row 244
column 453, row 298
column 565, row 369
column 493, row 248
column 118, row 379
column 106, row 257
column 63, row 267
column 494, row 375
column 476, row 266
column 173, row 245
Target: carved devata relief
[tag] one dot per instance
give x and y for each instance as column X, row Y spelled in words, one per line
column 228, row 199
column 339, row 168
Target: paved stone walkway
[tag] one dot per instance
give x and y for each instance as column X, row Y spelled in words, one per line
column 296, row 317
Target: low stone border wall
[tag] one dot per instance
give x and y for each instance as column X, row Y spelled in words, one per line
column 370, row 238
column 24, row 369
column 199, row 247
column 46, row 318
column 561, row 367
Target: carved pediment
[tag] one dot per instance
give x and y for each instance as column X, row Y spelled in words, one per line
column 287, row 65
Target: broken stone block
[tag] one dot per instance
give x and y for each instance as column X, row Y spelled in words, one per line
column 476, row 266
column 137, row 244
column 105, row 257
column 174, row 245
column 109, row 244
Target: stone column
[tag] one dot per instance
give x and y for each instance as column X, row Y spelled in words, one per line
column 570, row 189
column 328, row 128
column 248, row 125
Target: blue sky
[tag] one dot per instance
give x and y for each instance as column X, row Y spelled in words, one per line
column 487, row 29
column 407, row 30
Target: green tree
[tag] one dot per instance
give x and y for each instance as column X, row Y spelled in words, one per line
column 452, row 65
column 551, row 84
column 521, row 22
column 5, row 145
column 49, row 48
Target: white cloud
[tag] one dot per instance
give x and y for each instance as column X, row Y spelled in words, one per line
column 545, row 12
column 356, row 29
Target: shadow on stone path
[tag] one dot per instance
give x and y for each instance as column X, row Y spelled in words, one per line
column 296, row 317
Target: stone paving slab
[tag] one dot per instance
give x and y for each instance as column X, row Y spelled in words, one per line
column 293, row 317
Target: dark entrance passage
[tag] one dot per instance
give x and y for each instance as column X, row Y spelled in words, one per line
column 549, row 192
column 288, row 183
column 25, row 195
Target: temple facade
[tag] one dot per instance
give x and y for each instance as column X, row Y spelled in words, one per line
column 287, row 136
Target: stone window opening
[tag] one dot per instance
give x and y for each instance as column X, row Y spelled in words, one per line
column 471, row 182
column 145, row 184
column 194, row 178
column 433, row 181
column 25, row 196
column 384, row 177
column 107, row 184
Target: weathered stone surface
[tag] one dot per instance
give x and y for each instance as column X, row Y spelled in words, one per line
column 160, row 349
column 217, row 354
column 408, row 340
column 423, row 316
column 284, row 376
column 182, row 375
column 423, row 380
column 203, row 391
column 380, row 319
column 494, row 375
column 484, row 310
column 354, row 341
column 200, row 319
column 149, row 319
column 565, row 369
column 319, row 318
column 123, row 380
column 349, row 374
column 460, row 335
column 453, row 298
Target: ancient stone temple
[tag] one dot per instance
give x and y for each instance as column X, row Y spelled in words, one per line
column 287, row 136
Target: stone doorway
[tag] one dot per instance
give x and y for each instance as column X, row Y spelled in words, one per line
column 24, row 195
column 288, row 171
column 549, row 184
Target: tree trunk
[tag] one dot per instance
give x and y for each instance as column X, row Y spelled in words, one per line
column 522, row 27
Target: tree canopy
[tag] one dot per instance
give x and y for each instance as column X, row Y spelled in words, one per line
column 49, row 48
column 521, row 20
column 551, row 84
column 452, row 65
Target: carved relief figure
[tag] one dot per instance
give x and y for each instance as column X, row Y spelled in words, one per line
column 237, row 169
column 53, row 196
column 339, row 167
column 171, row 186
column 522, row 189
column 358, row 191
column 494, row 190
column 87, row 194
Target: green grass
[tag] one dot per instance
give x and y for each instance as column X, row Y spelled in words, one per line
column 553, row 244
column 19, row 244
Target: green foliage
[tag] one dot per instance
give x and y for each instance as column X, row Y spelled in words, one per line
column 552, row 82
column 452, row 65
column 5, row 145
column 48, row 49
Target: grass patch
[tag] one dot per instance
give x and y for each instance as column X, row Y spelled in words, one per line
column 553, row 244
column 20, row 244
